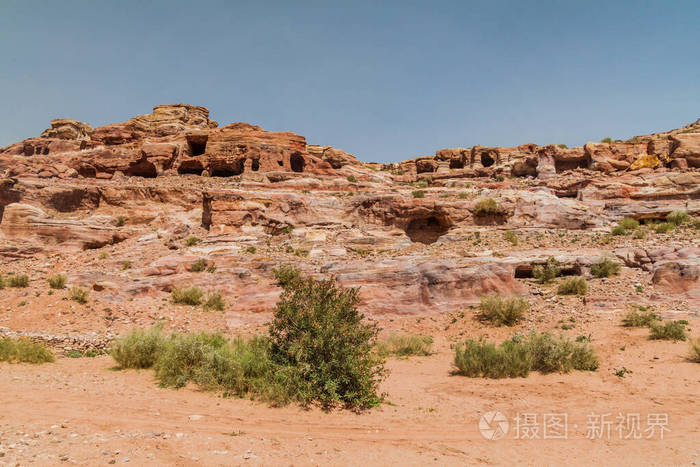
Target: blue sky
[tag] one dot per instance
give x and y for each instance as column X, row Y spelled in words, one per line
column 383, row 80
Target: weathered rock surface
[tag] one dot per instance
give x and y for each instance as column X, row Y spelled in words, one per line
column 26, row 222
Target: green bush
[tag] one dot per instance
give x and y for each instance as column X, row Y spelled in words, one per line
column 319, row 350
column 182, row 355
column 138, row 349
column 190, row 296
column 487, row 207
column 695, row 350
column 18, row 280
column 192, row 241
column 2, row 282
column 121, row 220
column 607, row 139
column 404, row 345
column 550, row 354
column 57, row 282
column 483, row 359
column 326, row 345
column 639, row 234
column 639, row 319
column 619, row 230
column 239, row 368
column 214, row 302
column 678, row 217
column 126, row 264
column 79, row 295
column 518, row 356
column 670, row 330
column 502, row 312
column 23, row 350
column 250, row 249
column 352, row 179
column 562, row 146
column 510, row 236
column 664, row 227
column 573, row 286
column 628, row 223
column 547, row 272
column 285, row 275
column 418, row 194
column 605, row 267
column 199, row 265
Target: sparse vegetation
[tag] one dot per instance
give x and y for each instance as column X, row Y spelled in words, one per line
column 605, row 267
column 519, row 355
column 138, row 349
column 251, row 249
column 23, row 350
column 670, row 330
column 192, row 241
column 418, row 194
column 618, row 230
column 57, row 281
column 639, row 234
column 573, row 286
column 640, row 319
column 502, row 311
column 199, row 265
column 695, row 350
column 511, row 237
column 126, row 264
column 405, row 345
column 487, row 207
column 79, row 295
column 562, row 146
column 121, row 220
column 628, row 223
column 189, row 296
column 319, row 350
column 547, row 272
column 678, row 218
column 664, row 227
column 352, row 179
column 215, row 302
column 286, row 275
column 18, row 280
column 607, row 139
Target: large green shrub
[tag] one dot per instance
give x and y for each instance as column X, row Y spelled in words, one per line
column 320, row 336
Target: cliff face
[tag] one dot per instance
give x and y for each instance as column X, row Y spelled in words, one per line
column 672, row 149
column 174, row 139
column 413, row 235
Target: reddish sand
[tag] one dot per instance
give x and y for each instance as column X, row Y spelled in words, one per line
column 80, row 411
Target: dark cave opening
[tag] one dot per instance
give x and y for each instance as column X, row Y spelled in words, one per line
column 297, row 162
column 190, row 167
column 426, row 230
column 487, row 160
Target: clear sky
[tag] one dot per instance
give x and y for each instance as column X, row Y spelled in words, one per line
column 385, row 80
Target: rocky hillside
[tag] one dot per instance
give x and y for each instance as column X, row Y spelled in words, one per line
column 127, row 209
